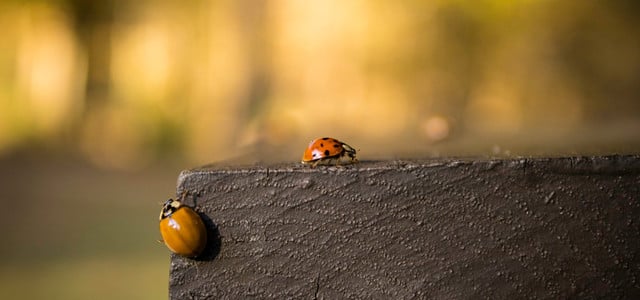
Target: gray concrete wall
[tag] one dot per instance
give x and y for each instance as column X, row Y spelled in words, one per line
column 448, row 229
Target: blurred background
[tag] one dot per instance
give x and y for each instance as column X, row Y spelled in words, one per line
column 103, row 103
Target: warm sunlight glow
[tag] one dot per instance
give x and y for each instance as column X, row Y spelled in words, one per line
column 143, row 59
column 49, row 74
column 131, row 84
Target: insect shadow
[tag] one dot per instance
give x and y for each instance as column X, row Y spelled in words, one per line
column 214, row 240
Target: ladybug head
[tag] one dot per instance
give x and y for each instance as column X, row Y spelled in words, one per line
column 169, row 208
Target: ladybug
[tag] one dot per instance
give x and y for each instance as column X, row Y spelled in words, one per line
column 327, row 150
column 182, row 229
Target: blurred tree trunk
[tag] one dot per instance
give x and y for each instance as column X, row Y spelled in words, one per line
column 94, row 22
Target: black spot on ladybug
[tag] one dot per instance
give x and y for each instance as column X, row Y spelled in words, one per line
column 321, row 145
column 326, row 138
column 326, row 152
column 337, row 145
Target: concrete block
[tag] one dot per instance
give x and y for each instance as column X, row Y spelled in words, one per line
column 443, row 229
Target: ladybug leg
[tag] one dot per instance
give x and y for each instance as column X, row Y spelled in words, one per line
column 194, row 197
column 342, row 162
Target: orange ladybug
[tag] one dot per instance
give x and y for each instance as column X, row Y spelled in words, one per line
column 327, row 150
column 182, row 229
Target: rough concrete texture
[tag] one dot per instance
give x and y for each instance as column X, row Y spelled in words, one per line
column 521, row 228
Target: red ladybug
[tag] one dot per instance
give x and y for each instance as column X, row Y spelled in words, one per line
column 328, row 150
